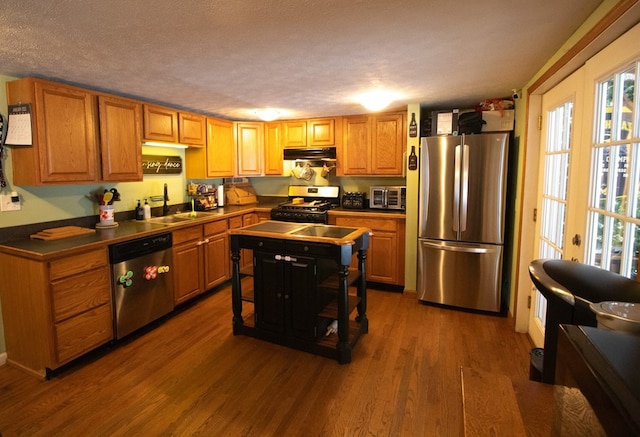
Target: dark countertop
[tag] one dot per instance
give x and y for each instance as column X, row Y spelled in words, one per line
column 370, row 212
column 126, row 230
column 130, row 229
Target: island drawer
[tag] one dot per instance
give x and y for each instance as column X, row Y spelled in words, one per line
column 305, row 248
column 262, row 243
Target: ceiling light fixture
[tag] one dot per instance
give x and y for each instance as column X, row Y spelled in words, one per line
column 267, row 114
column 376, row 100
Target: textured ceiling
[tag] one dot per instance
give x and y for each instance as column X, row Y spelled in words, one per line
column 307, row 57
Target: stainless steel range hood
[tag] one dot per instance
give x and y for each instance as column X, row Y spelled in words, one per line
column 310, row 154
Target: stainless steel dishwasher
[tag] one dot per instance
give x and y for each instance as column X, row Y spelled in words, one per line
column 141, row 280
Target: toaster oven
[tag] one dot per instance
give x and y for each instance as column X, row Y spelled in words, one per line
column 388, row 197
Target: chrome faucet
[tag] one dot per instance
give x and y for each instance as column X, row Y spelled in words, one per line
column 164, row 198
column 165, row 207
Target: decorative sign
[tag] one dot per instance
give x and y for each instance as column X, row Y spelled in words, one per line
column 154, row 164
column 19, row 129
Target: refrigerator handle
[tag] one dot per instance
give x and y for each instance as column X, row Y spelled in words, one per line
column 456, row 188
column 464, row 188
column 452, row 248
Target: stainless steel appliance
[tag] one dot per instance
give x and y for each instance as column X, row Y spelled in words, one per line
column 461, row 220
column 142, row 281
column 388, row 197
column 307, row 204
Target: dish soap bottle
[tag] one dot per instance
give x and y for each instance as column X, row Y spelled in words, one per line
column 147, row 210
column 139, row 212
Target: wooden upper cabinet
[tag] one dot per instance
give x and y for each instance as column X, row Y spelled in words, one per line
column 389, row 144
column 64, row 134
column 121, row 139
column 250, row 147
column 221, row 149
column 321, row 132
column 192, row 129
column 160, row 124
column 373, row 145
column 218, row 159
column 295, row 133
column 273, row 155
column 354, row 157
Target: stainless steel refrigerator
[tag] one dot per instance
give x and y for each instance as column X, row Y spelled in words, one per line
column 461, row 220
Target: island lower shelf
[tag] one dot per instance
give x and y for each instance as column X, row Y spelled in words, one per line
column 295, row 291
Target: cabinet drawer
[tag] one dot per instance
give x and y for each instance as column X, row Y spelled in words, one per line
column 262, row 244
column 215, row 227
column 80, row 293
column 371, row 223
column 82, row 262
column 84, row 332
column 235, row 222
column 310, row 249
column 187, row 234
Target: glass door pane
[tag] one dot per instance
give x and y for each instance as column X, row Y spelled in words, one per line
column 613, row 215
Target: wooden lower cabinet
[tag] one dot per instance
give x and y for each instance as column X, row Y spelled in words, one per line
column 385, row 257
column 200, row 259
column 55, row 311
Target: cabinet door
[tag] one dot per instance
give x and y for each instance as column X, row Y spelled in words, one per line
column 188, row 271
column 295, row 133
column 389, row 144
column 382, row 257
column 321, row 132
column 192, row 129
column 355, row 152
column 250, row 144
column 66, row 131
column 221, row 150
column 273, row 149
column 269, row 292
column 216, row 253
column 300, row 289
column 121, row 139
column 160, row 124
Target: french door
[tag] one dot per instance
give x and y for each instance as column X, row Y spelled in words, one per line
column 589, row 193
column 560, row 182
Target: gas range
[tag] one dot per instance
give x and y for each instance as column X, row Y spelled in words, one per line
column 307, row 204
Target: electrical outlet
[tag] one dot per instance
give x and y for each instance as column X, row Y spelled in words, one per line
column 6, row 203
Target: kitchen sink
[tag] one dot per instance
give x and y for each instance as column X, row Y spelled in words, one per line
column 175, row 218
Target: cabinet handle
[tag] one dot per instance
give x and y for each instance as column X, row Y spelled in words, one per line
column 278, row 257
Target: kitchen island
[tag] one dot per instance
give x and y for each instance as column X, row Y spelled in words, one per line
column 300, row 284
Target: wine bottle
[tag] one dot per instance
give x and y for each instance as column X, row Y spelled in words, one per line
column 413, row 159
column 413, row 126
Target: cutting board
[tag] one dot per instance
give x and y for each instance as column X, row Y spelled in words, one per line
column 61, row 232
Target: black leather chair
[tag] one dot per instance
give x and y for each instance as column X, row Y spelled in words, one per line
column 570, row 288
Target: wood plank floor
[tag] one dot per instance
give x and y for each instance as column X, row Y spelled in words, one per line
column 190, row 376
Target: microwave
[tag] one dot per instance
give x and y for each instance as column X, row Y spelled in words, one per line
column 388, row 197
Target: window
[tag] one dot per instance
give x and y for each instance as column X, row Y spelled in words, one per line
column 613, row 234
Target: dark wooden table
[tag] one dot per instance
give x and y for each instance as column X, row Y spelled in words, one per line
column 605, row 366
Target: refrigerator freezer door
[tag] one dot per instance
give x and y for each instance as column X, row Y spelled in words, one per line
column 438, row 190
column 465, row 275
column 484, row 176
